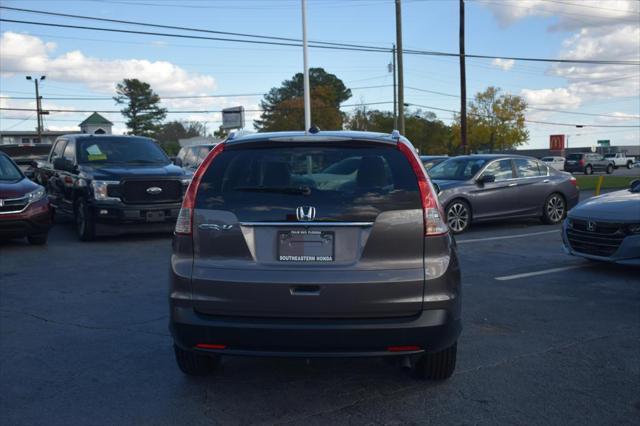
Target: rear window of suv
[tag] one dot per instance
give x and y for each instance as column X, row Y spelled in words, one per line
column 574, row 156
column 342, row 182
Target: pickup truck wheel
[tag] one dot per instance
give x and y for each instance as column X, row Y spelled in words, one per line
column 609, row 169
column 438, row 365
column 588, row 170
column 629, row 165
column 195, row 364
column 554, row 209
column 85, row 224
column 38, row 239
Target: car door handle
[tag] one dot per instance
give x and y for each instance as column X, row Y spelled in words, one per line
column 546, row 181
column 305, row 290
column 513, row 184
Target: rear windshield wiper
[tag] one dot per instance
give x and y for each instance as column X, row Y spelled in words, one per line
column 298, row 190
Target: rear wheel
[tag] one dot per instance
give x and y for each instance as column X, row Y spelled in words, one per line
column 194, row 364
column 629, row 164
column 554, row 209
column 588, row 170
column 458, row 216
column 37, row 240
column 609, row 169
column 85, row 224
column 438, row 365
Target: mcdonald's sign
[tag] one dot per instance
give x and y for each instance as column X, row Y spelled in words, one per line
column 556, row 142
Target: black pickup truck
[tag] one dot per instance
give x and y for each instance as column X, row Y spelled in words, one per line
column 113, row 184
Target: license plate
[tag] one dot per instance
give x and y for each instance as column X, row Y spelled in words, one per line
column 155, row 216
column 305, row 246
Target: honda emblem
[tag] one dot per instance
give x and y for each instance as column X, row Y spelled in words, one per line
column 591, row 226
column 306, row 213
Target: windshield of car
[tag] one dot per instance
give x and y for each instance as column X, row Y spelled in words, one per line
column 120, row 151
column 8, row 171
column 429, row 164
column 635, row 186
column 457, row 168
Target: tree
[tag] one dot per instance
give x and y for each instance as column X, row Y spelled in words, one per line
column 142, row 109
column 495, row 122
column 284, row 106
column 169, row 133
column 422, row 128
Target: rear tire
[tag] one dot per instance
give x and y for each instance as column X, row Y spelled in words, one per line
column 458, row 214
column 554, row 209
column 438, row 365
column 85, row 224
column 629, row 165
column 37, row 240
column 609, row 169
column 194, row 364
column 588, row 170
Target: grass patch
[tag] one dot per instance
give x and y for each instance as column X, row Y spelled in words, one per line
column 610, row 182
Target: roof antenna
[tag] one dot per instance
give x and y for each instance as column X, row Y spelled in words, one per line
column 314, row 129
column 395, row 134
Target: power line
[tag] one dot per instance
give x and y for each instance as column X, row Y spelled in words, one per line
column 284, row 41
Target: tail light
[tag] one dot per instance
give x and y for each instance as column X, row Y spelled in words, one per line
column 434, row 223
column 184, row 224
column 573, row 181
column 582, row 162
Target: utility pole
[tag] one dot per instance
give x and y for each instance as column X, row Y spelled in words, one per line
column 39, row 112
column 400, row 68
column 463, row 85
column 395, row 92
column 307, row 95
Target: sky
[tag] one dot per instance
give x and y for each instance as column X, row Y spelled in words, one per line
column 87, row 63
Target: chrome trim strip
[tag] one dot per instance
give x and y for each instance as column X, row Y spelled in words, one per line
column 315, row 224
column 15, row 211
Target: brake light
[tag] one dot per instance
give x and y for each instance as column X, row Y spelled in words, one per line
column 184, row 224
column 573, row 181
column 582, row 161
column 210, row 346
column 434, row 223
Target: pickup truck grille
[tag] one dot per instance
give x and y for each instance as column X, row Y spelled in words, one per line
column 135, row 191
column 604, row 240
column 13, row 205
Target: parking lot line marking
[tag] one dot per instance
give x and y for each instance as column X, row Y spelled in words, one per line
column 506, row 237
column 543, row 272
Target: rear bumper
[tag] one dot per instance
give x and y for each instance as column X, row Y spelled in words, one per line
column 430, row 331
column 119, row 218
column 36, row 219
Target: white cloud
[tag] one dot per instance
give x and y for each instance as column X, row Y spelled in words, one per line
column 504, row 64
column 559, row 98
column 570, row 15
column 25, row 53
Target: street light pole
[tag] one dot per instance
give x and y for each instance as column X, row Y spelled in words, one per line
column 38, row 105
column 307, row 95
column 395, row 92
column 400, row 67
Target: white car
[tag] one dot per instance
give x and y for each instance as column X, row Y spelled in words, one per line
column 555, row 162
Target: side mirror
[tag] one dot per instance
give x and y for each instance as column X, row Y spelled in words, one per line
column 487, row 179
column 62, row 164
column 177, row 162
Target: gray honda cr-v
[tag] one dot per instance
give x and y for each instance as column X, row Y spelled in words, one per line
column 323, row 245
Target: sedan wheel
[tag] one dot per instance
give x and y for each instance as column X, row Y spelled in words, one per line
column 554, row 209
column 458, row 216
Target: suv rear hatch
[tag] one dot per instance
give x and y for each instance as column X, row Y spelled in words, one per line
column 308, row 230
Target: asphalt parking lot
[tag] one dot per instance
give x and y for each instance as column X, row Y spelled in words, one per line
column 547, row 339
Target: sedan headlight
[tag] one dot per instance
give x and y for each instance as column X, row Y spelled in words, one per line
column 36, row 195
column 634, row 228
column 100, row 189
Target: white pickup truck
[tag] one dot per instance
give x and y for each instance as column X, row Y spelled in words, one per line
column 621, row 159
